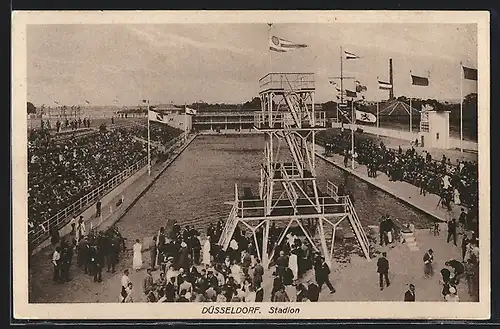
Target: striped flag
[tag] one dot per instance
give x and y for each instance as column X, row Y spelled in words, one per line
column 419, row 81
column 349, row 55
column 350, row 93
column 282, row 45
column 384, row 85
column 470, row 73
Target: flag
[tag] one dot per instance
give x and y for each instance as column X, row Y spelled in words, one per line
column 87, row 102
column 190, row 111
column 427, row 107
column 333, row 83
column 344, row 113
column 365, row 116
column 144, row 101
column 282, row 45
column 469, row 73
column 56, row 102
column 359, row 87
column 155, row 116
column 419, row 81
column 384, row 85
column 350, row 93
column 349, row 55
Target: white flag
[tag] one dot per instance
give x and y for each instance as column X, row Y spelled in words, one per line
column 282, row 45
column 155, row 116
column 365, row 116
column 190, row 111
column 427, row 107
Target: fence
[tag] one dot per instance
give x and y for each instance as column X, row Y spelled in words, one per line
column 41, row 232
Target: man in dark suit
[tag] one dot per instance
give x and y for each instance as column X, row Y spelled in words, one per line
column 383, row 270
column 452, row 231
column 258, row 273
column 259, row 293
column 410, row 294
column 322, row 272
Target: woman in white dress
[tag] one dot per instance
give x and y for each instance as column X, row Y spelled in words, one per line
column 293, row 265
column 137, row 260
column 236, row 272
column 206, row 252
column 456, row 197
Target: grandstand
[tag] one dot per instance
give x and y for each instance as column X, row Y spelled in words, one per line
column 65, row 168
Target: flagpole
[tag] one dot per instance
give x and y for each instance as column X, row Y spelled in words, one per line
column 461, row 109
column 268, row 48
column 341, row 77
column 353, row 120
column 410, row 103
column 378, row 121
column 185, row 122
column 149, row 146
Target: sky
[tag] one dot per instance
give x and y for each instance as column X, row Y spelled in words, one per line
column 222, row 63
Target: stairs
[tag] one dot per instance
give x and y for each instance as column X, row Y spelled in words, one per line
column 410, row 241
column 227, row 233
column 358, row 228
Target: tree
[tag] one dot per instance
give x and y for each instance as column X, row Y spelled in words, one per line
column 470, row 103
column 31, row 108
column 253, row 104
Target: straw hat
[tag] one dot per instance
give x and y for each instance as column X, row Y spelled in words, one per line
column 453, row 290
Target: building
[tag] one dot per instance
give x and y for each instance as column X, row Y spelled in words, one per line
column 223, row 120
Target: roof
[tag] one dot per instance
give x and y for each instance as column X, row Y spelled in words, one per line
column 396, row 108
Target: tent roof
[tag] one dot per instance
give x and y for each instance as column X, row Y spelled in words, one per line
column 396, row 108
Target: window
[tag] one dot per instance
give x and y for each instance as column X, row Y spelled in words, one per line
column 437, row 135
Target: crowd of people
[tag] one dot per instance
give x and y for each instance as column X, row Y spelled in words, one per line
column 190, row 271
column 62, row 171
column 59, row 173
column 454, row 183
column 94, row 251
column 158, row 132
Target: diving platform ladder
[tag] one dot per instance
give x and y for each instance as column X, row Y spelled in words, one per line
column 230, row 225
column 353, row 218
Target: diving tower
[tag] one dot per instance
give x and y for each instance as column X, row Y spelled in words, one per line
column 288, row 191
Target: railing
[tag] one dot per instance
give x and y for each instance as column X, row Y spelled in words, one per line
column 358, row 229
column 227, row 232
column 282, row 119
column 332, row 189
column 287, row 81
column 60, row 219
column 327, row 206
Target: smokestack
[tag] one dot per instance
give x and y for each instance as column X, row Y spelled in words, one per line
column 391, row 92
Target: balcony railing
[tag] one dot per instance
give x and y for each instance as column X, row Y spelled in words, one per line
column 287, row 81
column 284, row 119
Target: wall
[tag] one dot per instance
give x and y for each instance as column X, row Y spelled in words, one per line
column 454, row 143
column 179, row 120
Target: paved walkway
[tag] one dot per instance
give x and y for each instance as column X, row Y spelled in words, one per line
column 405, row 192
column 358, row 280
